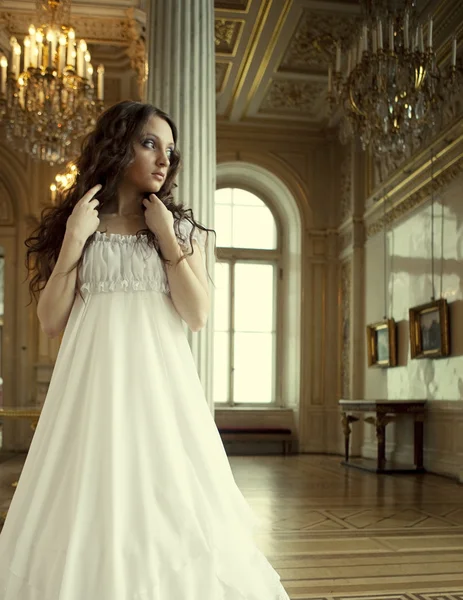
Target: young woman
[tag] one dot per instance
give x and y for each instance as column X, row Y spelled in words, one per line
column 126, row 492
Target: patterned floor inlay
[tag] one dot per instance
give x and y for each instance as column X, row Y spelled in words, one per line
column 340, row 534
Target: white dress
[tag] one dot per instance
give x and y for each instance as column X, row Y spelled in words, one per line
column 126, row 492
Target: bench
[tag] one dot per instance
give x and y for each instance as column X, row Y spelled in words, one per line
column 254, row 434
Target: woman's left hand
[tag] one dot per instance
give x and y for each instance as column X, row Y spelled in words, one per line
column 158, row 218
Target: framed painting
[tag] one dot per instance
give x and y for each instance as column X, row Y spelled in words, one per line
column 430, row 330
column 382, row 344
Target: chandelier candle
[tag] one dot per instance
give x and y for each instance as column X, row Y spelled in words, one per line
column 82, row 49
column 3, row 68
column 62, row 54
column 100, row 72
column 32, row 40
column 71, row 50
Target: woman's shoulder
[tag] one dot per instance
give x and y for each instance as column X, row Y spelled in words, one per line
column 186, row 231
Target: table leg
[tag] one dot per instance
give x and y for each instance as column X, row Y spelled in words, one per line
column 346, row 429
column 419, row 440
column 381, row 440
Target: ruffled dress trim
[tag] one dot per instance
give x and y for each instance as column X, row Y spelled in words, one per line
column 116, row 262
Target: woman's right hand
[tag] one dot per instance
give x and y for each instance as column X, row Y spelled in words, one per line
column 84, row 221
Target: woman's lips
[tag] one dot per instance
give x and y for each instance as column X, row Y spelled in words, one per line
column 158, row 176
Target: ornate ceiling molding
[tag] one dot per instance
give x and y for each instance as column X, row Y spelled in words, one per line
column 295, row 96
column 227, row 33
column 313, row 43
column 232, row 5
column 113, row 31
column 222, row 72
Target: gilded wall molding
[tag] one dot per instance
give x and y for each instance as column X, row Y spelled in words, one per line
column 346, row 185
column 136, row 50
column 385, row 166
column 346, row 286
column 222, row 73
column 412, row 201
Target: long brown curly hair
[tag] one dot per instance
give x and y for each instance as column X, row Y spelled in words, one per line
column 106, row 153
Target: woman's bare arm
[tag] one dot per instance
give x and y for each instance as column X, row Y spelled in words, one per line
column 187, row 282
column 57, row 297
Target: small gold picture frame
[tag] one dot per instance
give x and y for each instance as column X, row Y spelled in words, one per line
column 430, row 330
column 382, row 344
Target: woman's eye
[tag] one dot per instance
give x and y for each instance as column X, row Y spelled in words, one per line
column 149, row 143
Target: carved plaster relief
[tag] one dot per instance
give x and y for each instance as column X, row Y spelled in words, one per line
column 227, row 34
column 346, row 285
column 313, row 43
column 346, row 185
column 108, row 30
column 296, row 96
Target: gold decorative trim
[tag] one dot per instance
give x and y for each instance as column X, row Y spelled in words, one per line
column 346, row 184
column 382, row 344
column 227, row 36
column 345, row 333
column 434, row 348
column 95, row 30
column 240, row 6
column 417, row 197
column 226, row 66
column 268, row 53
column 246, row 63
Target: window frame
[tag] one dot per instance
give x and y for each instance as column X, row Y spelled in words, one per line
column 232, row 255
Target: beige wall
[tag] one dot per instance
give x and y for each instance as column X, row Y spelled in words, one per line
column 308, row 166
column 408, row 284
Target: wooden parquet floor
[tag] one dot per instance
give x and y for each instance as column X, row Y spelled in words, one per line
column 341, row 534
column 334, row 533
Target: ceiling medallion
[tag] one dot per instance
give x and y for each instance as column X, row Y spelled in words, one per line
column 388, row 86
column 47, row 88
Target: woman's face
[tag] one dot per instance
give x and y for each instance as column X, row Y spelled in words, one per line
column 153, row 151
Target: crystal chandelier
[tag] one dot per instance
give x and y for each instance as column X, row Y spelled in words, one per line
column 47, row 91
column 388, row 84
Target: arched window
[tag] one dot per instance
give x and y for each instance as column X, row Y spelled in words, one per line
column 246, row 300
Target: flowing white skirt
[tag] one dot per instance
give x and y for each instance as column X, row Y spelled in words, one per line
column 126, row 492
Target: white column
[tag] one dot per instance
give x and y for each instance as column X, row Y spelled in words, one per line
column 182, row 83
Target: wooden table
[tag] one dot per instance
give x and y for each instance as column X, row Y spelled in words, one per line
column 385, row 412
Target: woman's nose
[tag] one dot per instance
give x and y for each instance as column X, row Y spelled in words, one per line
column 162, row 158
